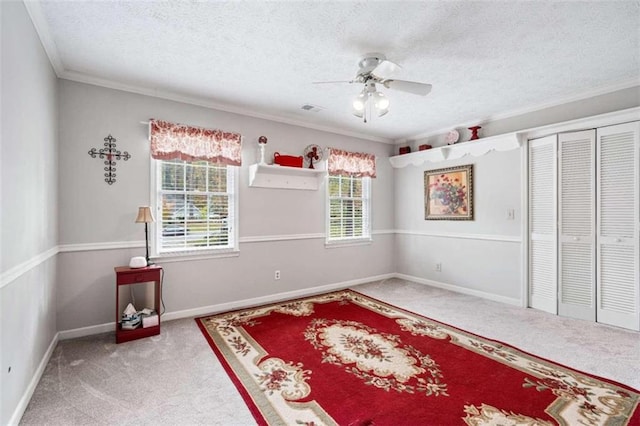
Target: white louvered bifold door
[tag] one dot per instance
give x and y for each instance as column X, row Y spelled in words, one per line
column 542, row 224
column 618, row 294
column 576, row 225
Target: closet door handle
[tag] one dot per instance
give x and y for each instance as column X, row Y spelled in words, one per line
column 617, row 240
column 576, row 239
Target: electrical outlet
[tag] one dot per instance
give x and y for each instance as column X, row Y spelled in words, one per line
column 438, row 267
column 276, row 275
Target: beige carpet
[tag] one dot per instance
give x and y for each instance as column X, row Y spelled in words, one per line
column 175, row 378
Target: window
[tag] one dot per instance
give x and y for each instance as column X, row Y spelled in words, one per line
column 194, row 184
column 195, row 204
column 349, row 209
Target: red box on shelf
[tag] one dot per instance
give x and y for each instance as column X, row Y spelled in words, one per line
column 423, row 147
column 405, row 149
column 287, row 160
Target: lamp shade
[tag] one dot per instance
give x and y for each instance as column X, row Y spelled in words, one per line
column 144, row 215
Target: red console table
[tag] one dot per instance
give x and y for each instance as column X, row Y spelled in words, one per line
column 126, row 276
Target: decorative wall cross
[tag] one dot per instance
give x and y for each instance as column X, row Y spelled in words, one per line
column 112, row 155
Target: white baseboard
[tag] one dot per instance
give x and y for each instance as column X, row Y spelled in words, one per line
column 28, row 393
column 464, row 290
column 245, row 303
column 229, row 306
column 87, row 331
column 262, row 300
column 256, row 301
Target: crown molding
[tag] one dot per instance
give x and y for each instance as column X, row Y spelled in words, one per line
column 207, row 103
column 34, row 9
column 602, row 90
column 584, row 123
column 42, row 29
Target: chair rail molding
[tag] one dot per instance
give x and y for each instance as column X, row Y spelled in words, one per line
column 17, row 271
column 482, row 237
column 110, row 245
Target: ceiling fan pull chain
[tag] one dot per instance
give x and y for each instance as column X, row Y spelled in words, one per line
column 367, row 109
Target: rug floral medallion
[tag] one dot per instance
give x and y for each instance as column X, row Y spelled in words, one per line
column 343, row 358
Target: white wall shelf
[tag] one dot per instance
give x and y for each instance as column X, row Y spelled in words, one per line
column 268, row 176
column 476, row 148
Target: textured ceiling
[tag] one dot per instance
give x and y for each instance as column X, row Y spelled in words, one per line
column 484, row 59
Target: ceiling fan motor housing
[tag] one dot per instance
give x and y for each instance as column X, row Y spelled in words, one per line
column 370, row 61
column 367, row 64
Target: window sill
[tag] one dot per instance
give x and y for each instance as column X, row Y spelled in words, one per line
column 189, row 256
column 348, row 243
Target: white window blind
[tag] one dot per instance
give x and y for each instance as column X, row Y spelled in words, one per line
column 195, row 207
column 349, row 208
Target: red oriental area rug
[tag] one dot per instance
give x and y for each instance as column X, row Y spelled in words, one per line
column 344, row 358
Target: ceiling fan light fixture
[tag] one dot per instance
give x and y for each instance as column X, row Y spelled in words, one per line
column 370, row 99
column 375, row 69
column 382, row 112
column 381, row 102
column 359, row 104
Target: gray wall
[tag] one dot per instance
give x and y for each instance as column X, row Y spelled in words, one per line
column 28, row 200
column 483, row 256
column 94, row 213
column 587, row 107
column 53, row 196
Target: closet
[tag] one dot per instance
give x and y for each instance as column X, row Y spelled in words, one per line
column 584, row 224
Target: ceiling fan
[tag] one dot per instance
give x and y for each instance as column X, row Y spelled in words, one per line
column 375, row 68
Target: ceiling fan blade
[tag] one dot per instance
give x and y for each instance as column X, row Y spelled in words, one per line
column 332, row 82
column 414, row 87
column 385, row 69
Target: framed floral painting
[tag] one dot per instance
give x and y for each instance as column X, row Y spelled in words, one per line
column 448, row 193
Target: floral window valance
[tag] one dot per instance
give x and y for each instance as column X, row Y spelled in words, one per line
column 355, row 164
column 170, row 141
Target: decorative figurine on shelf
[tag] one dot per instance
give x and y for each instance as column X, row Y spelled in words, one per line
column 287, row 160
column 474, row 132
column 262, row 141
column 312, row 153
column 452, row 137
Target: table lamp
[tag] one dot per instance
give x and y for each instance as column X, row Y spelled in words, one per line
column 145, row 216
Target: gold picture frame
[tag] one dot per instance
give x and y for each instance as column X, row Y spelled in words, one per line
column 448, row 193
